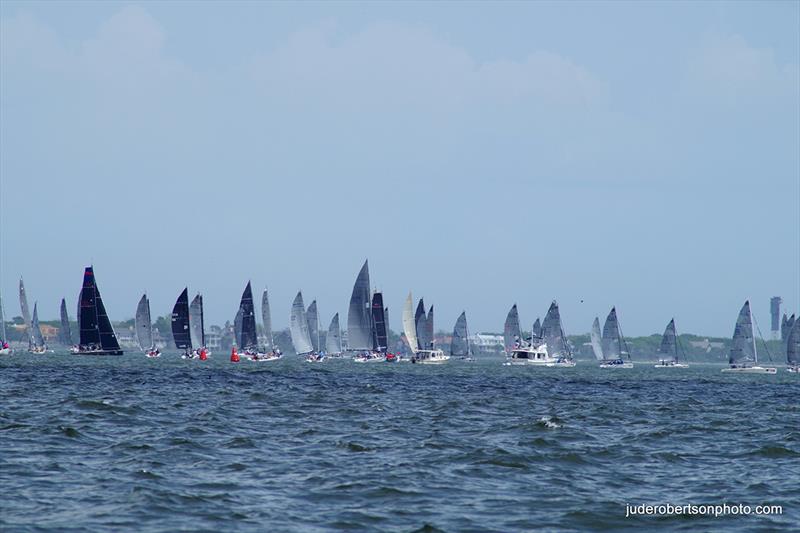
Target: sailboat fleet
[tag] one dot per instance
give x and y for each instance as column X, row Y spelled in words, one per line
column 368, row 333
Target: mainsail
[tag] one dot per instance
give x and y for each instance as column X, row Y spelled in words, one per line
column 333, row 341
column 553, row 333
column 359, row 318
column 612, row 343
column 419, row 324
column 536, row 330
column 511, row 331
column 409, row 325
column 266, row 318
column 429, row 330
column 38, row 340
column 196, row 332
column 3, row 337
column 793, row 344
column 249, row 334
column 65, row 335
column 96, row 329
column 143, row 324
column 459, row 346
column 180, row 322
column 669, row 342
column 299, row 327
column 313, row 325
column 26, row 314
column 380, row 338
column 743, row 348
column 597, row 346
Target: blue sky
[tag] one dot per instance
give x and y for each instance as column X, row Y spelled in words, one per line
column 643, row 155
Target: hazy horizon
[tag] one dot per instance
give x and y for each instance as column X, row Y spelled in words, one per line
column 638, row 155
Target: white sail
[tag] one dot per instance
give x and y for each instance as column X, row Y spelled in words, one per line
column 196, row 333
column 409, row 326
column 26, row 314
column 597, row 346
column 3, row 337
column 333, row 341
column 313, row 325
column 266, row 318
column 299, row 327
column 143, row 325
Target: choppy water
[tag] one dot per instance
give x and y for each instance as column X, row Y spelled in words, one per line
column 160, row 445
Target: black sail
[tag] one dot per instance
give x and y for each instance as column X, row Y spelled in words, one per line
column 95, row 326
column 419, row 323
column 379, row 334
column 180, row 322
column 249, row 334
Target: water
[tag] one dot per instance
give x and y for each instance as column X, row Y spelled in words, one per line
column 160, row 445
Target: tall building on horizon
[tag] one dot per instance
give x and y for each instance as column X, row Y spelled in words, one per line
column 775, row 311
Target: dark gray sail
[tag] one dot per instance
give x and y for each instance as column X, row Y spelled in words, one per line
column 612, row 343
column 459, row 347
column 511, row 331
column 553, row 333
column 359, row 317
column 380, row 339
column 237, row 327
column 596, row 340
column 64, row 334
column 786, row 326
column 38, row 340
column 180, row 322
column 333, row 341
column 536, row 330
column 96, row 331
column 419, row 325
column 298, row 327
column 313, row 325
column 669, row 342
column 266, row 318
column 743, row 347
column 143, row 324
column 429, row 329
column 196, row 332
column 793, row 344
column 249, row 333
column 26, row 314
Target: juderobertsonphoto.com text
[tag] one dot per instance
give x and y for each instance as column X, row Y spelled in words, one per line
column 723, row 509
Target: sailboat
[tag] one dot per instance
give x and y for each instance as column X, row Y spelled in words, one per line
column 247, row 335
column 97, row 335
column 298, row 328
column 197, row 331
column 669, row 348
column 367, row 332
column 317, row 355
column 459, row 346
column 743, row 355
column 65, row 333
column 612, row 343
column 552, row 333
column 273, row 352
column 35, row 341
column 5, row 349
column 333, row 340
column 427, row 354
column 181, row 334
column 519, row 351
column 144, row 328
column 793, row 348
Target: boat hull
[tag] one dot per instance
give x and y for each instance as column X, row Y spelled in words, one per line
column 5, row 351
column 793, row 369
column 752, row 370
column 618, row 365
column 100, row 352
column 674, row 365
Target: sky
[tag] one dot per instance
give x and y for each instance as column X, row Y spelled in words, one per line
column 643, row 155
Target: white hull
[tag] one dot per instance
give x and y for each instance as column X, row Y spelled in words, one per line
column 561, row 364
column 752, row 370
column 671, row 365
column 619, row 365
column 793, row 369
column 261, row 358
column 430, row 357
column 369, row 358
column 5, row 351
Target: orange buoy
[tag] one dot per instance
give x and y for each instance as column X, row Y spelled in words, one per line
column 234, row 355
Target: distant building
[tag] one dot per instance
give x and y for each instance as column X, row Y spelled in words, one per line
column 706, row 345
column 482, row 342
